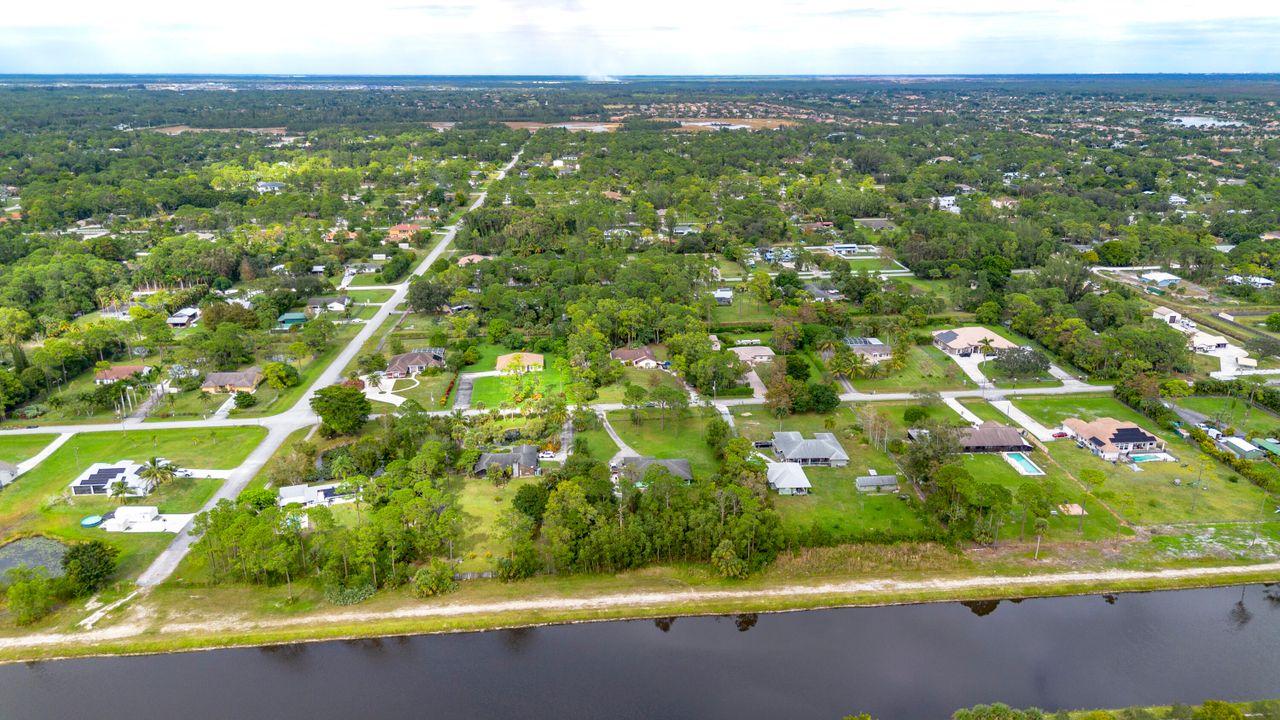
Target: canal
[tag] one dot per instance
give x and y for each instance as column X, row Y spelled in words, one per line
column 911, row 662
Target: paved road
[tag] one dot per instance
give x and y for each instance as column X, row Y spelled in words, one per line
column 300, row 415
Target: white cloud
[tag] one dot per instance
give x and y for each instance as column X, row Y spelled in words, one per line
column 655, row 36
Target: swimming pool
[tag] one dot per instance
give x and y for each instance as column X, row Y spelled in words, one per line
column 1022, row 464
column 1152, row 457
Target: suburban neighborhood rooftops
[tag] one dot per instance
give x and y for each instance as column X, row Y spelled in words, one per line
column 415, row 361
column 521, row 455
column 234, row 379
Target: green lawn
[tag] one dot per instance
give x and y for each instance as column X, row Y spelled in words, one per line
column 637, row 376
column 985, row 411
column 871, row 264
column 1003, row 381
column 35, row 504
column 272, row 401
column 1098, row 523
column 836, row 505
column 186, row 405
column 16, row 448
column 492, row 390
column 482, row 504
column 1235, row 413
column 488, row 358
column 1148, row 496
column 599, row 445
column 927, row 367
column 674, row 438
column 746, row 308
column 367, row 296
column 427, row 390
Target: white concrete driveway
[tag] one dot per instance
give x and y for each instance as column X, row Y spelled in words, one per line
column 1040, row 432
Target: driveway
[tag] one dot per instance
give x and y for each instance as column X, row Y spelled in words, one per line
column 462, row 400
column 1040, row 432
column 624, row 450
column 963, row 411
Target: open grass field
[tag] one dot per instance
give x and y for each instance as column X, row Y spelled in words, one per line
column 427, row 390
column 188, row 405
column 636, row 376
column 482, row 503
column 927, row 367
column 871, row 264
column 599, row 445
column 1001, row 380
column 1235, row 413
column 1098, row 523
column 493, row 392
column 16, row 448
column 985, row 411
column 674, row 438
column 488, row 358
column 370, row 296
column 746, row 308
column 836, row 505
column 35, row 504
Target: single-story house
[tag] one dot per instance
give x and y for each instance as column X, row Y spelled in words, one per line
column 414, row 362
column 291, row 319
column 1270, row 235
column 8, row 472
column 101, row 479
column 876, row 483
column 317, row 305
column 521, row 461
column 1260, row 282
column 266, row 187
column 1110, row 439
column 466, row 260
column 184, row 318
column 723, row 296
column 1241, row 447
column 992, row 436
column 520, row 362
column 312, row 495
column 971, row 340
column 822, row 293
column 232, row 382
column 117, row 373
column 1203, row 342
column 142, row 518
column 1159, row 278
column 824, row 449
column 641, row 357
column 635, row 467
column 753, row 354
column 1164, row 314
column 788, row 478
column 873, row 349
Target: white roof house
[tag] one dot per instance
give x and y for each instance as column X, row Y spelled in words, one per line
column 788, row 478
column 312, row 495
column 1260, row 282
column 723, row 296
column 1164, row 314
column 144, row 518
column 1158, row 277
column 1203, row 342
column 753, row 355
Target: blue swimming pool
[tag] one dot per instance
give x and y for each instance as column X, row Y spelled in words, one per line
column 1154, row 457
column 1023, row 464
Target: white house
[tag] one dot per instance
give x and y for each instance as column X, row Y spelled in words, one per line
column 946, row 203
column 1159, row 278
column 753, row 355
column 186, row 317
column 312, row 495
column 723, row 296
column 788, row 478
column 1260, row 282
column 102, row 478
column 144, row 518
column 1203, row 342
column 1164, row 314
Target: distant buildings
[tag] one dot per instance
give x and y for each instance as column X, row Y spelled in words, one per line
column 1159, row 278
column 184, row 318
column 723, row 296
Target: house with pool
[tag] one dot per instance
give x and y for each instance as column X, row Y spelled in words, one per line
column 1115, row 440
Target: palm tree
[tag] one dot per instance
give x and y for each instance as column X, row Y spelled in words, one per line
column 985, row 345
column 1041, row 526
column 157, row 472
column 120, row 490
column 828, row 347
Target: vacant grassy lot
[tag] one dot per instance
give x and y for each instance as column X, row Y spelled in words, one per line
column 1001, row 380
column 427, row 390
column 673, row 438
column 871, row 264
column 985, row 411
column 493, row 391
column 482, row 503
column 647, row 379
column 188, row 405
column 488, row 358
column 746, row 308
column 1051, row 410
column 927, row 367
column 16, row 448
column 1098, row 524
column 370, row 296
column 599, row 445
column 1235, row 413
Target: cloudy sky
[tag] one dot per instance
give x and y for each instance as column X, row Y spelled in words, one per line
column 596, row 37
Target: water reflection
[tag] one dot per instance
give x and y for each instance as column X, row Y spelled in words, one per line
column 981, row 608
column 746, row 621
column 664, row 624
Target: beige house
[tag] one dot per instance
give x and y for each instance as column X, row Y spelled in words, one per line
column 232, row 382
column 971, row 340
column 1111, row 439
column 521, row 362
column 753, row 354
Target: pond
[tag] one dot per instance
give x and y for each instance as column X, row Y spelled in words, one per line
column 31, row 552
column 911, row 661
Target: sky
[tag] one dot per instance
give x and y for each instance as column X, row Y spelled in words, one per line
column 593, row 38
